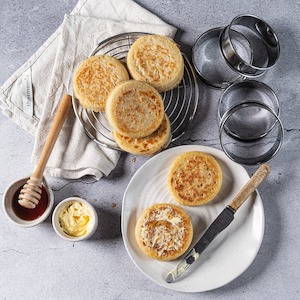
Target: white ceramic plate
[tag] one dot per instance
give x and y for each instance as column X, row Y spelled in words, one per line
column 232, row 251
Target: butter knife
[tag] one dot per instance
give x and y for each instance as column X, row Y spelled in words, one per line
column 220, row 223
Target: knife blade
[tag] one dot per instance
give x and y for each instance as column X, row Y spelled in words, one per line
column 219, row 224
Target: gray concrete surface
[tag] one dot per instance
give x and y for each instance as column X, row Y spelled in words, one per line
column 37, row 264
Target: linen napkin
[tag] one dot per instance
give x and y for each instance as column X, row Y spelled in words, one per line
column 30, row 97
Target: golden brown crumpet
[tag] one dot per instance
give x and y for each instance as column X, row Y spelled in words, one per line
column 195, row 178
column 134, row 109
column 95, row 78
column 148, row 145
column 164, row 231
column 157, row 60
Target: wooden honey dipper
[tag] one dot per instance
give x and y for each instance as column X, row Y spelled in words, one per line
column 30, row 194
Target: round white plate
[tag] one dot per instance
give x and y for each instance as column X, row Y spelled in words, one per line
column 232, row 251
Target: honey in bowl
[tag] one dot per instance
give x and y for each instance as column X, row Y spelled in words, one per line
column 26, row 213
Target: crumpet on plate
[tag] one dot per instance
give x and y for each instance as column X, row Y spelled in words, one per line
column 195, row 178
column 164, row 231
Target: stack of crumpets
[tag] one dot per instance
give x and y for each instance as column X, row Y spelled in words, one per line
column 135, row 112
column 148, row 145
column 134, row 108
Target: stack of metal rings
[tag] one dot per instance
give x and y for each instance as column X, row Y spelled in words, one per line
column 231, row 58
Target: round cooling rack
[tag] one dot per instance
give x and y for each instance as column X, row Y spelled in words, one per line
column 180, row 103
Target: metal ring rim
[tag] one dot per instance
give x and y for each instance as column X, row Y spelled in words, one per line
column 278, row 111
column 258, row 71
column 214, row 84
column 241, row 160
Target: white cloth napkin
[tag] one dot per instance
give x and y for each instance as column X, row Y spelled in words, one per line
column 30, row 97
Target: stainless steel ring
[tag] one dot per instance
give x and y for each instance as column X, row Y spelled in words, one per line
column 209, row 61
column 257, row 159
column 261, row 36
column 248, row 91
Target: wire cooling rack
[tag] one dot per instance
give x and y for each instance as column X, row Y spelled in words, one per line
column 180, row 103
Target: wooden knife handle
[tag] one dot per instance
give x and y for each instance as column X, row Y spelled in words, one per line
column 257, row 178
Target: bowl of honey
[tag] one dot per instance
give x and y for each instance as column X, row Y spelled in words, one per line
column 22, row 216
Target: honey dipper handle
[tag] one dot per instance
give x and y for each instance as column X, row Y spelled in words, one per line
column 257, row 178
column 58, row 122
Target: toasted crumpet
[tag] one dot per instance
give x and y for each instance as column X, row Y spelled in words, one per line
column 157, row 60
column 134, row 109
column 95, row 78
column 164, row 231
column 148, row 145
column 195, row 178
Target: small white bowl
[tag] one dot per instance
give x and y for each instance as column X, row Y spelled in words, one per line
column 58, row 229
column 8, row 200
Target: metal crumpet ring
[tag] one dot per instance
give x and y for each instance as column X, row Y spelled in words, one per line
column 209, row 62
column 245, row 91
column 254, row 151
column 263, row 42
column 246, row 48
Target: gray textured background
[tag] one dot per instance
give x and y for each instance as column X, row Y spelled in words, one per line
column 35, row 263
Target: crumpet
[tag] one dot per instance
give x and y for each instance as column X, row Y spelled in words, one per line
column 157, row 60
column 134, row 109
column 95, row 78
column 148, row 145
column 164, row 231
column 195, row 178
